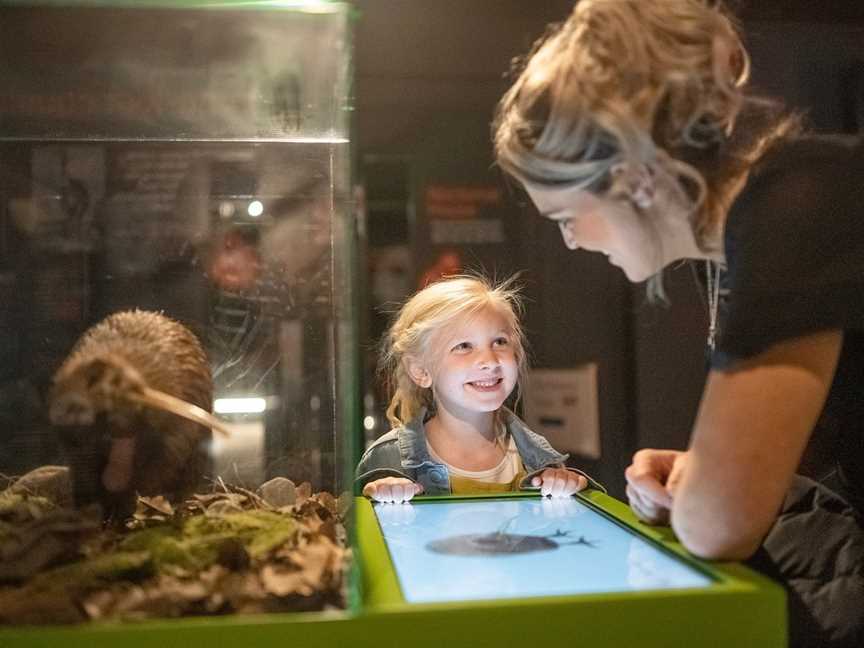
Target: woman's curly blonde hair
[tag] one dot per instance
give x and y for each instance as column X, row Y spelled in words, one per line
column 416, row 331
column 646, row 84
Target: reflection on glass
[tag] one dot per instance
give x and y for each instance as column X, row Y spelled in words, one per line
column 513, row 548
column 94, row 228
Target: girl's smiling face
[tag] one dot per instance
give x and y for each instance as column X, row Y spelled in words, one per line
column 477, row 366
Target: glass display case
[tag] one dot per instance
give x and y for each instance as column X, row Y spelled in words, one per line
column 186, row 165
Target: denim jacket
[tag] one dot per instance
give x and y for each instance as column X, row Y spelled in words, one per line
column 402, row 452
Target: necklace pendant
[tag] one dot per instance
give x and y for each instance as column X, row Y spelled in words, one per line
column 712, row 276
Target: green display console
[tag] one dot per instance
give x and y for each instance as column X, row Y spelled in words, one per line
column 493, row 571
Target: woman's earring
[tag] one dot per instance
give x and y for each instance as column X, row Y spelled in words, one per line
column 638, row 183
column 642, row 187
column 643, row 196
column 567, row 235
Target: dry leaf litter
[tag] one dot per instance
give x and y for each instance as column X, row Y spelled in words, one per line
column 280, row 548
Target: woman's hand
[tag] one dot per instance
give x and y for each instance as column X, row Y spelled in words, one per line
column 651, row 482
column 392, row 489
column 559, row 482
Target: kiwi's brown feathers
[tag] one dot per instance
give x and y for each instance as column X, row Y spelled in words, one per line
column 99, row 403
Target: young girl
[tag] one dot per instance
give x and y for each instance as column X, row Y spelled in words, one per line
column 452, row 357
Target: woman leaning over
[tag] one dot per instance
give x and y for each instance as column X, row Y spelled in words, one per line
column 631, row 126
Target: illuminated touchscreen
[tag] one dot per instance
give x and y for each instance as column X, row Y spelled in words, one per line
column 449, row 550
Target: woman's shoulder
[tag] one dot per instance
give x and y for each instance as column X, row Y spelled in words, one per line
column 819, row 156
column 811, row 165
column 803, row 193
column 813, row 145
column 794, row 245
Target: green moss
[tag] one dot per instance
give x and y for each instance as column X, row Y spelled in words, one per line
column 146, row 539
column 12, row 503
column 196, row 544
column 169, row 546
column 267, row 532
column 95, row 571
column 259, row 531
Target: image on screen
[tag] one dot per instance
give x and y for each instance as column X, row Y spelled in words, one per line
column 520, row 547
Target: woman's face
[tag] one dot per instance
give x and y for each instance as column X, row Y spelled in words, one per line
column 629, row 238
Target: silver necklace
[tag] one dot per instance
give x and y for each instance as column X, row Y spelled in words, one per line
column 712, row 273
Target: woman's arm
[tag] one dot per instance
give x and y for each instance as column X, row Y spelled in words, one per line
column 753, row 425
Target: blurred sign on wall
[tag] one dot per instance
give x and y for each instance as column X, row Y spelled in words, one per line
column 561, row 404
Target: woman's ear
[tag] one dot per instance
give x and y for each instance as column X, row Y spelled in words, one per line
column 418, row 373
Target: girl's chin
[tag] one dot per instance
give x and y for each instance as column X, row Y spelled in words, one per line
column 486, row 410
column 485, row 405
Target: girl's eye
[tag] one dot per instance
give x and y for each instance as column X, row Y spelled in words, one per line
column 462, row 346
column 501, row 341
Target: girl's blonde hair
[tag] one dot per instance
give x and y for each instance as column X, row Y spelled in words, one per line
column 414, row 334
column 654, row 86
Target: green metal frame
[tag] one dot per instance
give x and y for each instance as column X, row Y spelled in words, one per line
column 741, row 608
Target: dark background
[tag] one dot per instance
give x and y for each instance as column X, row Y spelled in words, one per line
column 427, row 77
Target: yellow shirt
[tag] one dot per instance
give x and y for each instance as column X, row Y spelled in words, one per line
column 502, row 478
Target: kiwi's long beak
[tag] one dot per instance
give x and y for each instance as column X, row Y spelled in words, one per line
column 168, row 403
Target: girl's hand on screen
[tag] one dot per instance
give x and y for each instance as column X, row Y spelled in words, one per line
column 559, row 482
column 392, row 489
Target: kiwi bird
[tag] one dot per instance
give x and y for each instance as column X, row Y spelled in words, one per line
column 132, row 405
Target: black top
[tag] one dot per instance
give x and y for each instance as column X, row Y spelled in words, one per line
column 794, row 244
